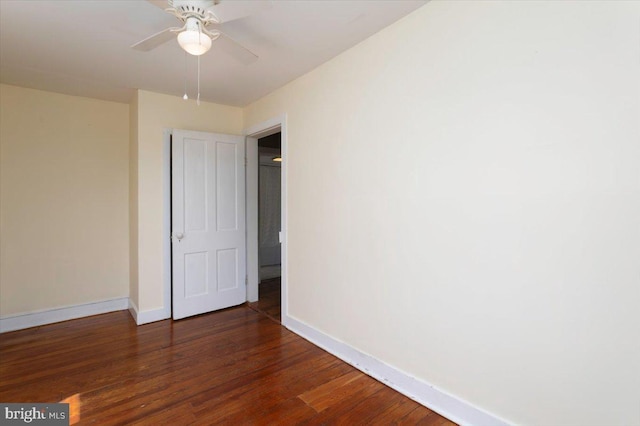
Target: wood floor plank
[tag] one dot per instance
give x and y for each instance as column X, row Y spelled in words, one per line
column 290, row 412
column 322, row 396
column 394, row 413
column 419, row 416
column 368, row 411
column 235, row 366
column 337, row 406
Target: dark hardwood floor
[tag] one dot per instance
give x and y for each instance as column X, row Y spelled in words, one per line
column 235, row 366
column 268, row 303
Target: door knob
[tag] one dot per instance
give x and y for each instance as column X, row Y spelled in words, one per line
column 179, row 235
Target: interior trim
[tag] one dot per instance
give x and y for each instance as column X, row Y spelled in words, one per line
column 51, row 316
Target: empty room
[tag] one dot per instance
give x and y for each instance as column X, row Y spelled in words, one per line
column 320, row 212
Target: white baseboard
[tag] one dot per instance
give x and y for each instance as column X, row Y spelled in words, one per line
column 449, row 406
column 50, row 316
column 145, row 317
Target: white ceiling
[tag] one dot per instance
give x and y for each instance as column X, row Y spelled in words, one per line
column 82, row 47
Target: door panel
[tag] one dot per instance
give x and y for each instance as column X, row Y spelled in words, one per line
column 195, row 185
column 208, row 222
column 196, row 269
column 226, row 201
column 227, row 269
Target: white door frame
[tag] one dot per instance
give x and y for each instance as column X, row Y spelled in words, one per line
column 166, row 222
column 260, row 130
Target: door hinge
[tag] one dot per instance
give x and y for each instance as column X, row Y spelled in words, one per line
column 246, row 161
column 246, row 280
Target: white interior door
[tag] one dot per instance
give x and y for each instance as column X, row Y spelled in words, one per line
column 208, row 222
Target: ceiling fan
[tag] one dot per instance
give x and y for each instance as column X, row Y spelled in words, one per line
column 201, row 21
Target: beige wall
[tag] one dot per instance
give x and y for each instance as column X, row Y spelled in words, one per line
column 63, row 200
column 464, row 204
column 155, row 113
column 133, row 200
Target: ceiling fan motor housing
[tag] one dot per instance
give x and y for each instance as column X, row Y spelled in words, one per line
column 193, row 8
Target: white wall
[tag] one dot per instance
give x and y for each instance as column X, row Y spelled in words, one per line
column 63, row 201
column 479, row 225
column 133, row 200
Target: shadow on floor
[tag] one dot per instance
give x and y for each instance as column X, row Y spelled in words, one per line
column 269, row 295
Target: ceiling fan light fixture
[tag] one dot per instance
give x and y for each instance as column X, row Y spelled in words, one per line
column 194, row 42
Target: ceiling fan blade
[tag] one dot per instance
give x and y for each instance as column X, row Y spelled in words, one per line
column 155, row 40
column 235, row 49
column 162, row 4
column 227, row 10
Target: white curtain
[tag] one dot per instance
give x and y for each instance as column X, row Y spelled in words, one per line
column 269, row 215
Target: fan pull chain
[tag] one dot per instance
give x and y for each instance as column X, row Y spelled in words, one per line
column 198, row 101
column 185, row 97
column 199, row 41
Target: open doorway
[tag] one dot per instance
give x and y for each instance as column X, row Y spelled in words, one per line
column 269, row 226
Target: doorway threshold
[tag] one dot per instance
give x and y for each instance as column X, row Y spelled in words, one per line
column 269, row 299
